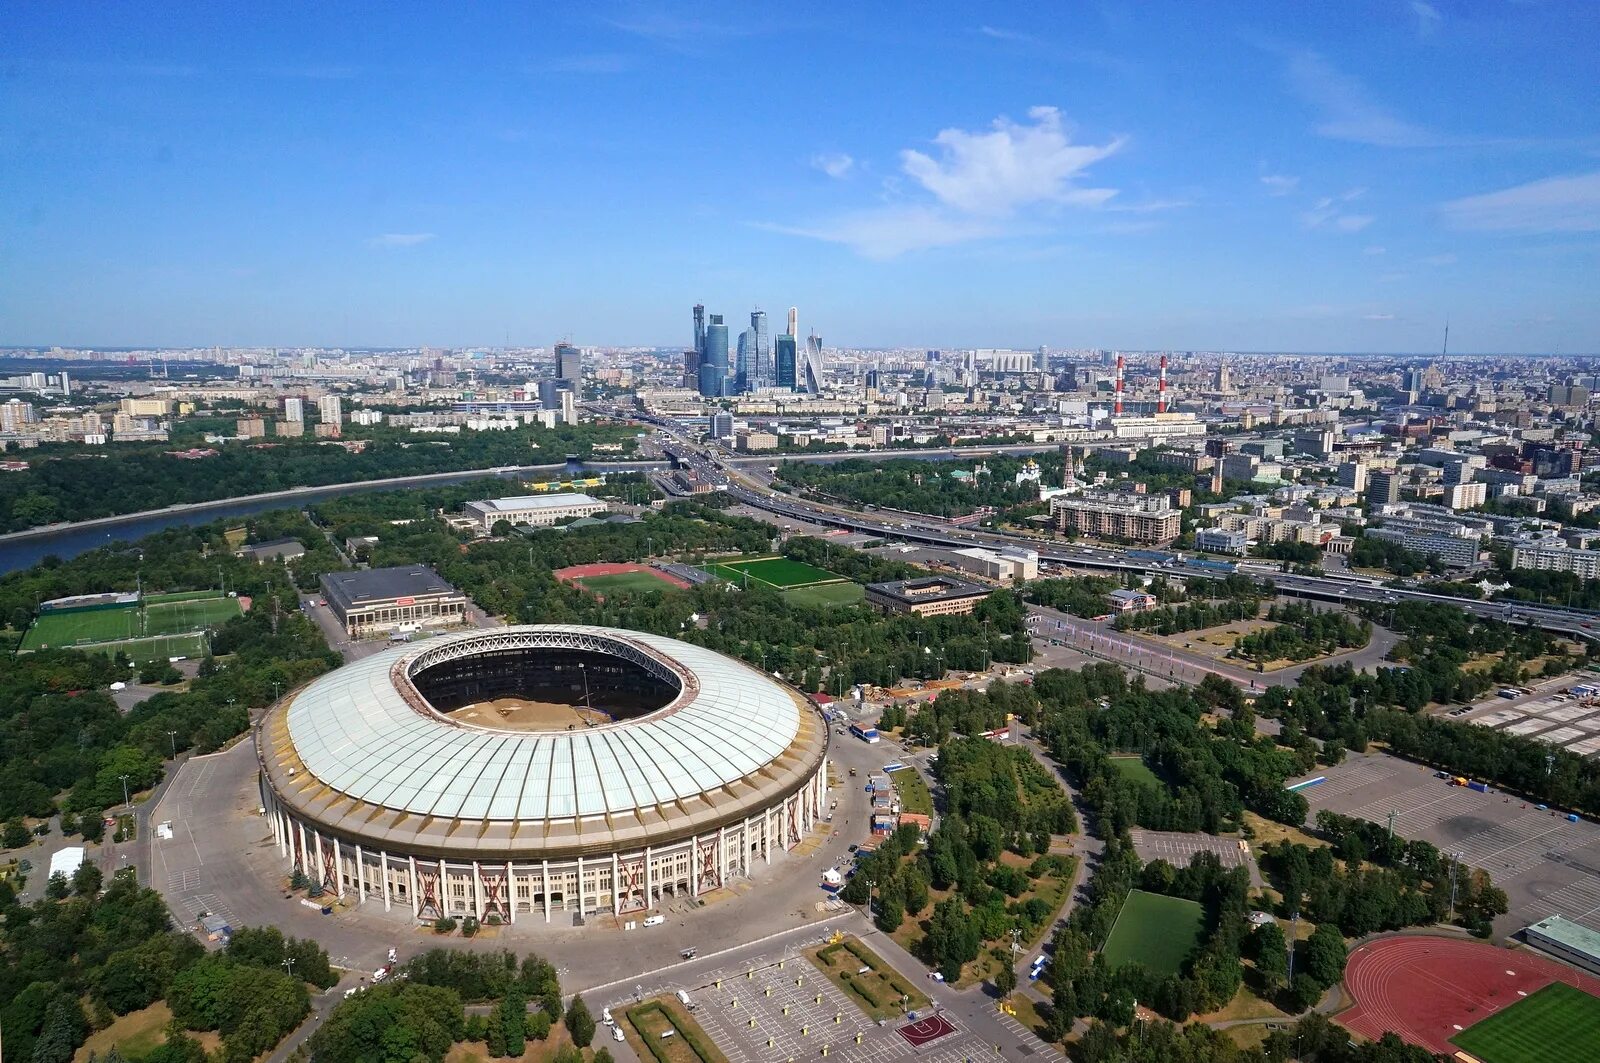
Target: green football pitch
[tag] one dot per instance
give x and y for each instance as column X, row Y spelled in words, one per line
column 827, row 594
column 1136, row 769
column 166, row 614
column 1154, row 931
column 1558, row 1024
column 777, row 572
column 55, row 630
column 625, row 583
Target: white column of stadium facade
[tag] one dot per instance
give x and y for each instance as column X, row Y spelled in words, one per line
column 436, row 888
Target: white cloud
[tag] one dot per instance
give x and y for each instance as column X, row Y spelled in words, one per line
column 893, row 231
column 1280, row 184
column 1006, row 35
column 1551, row 205
column 1327, row 214
column 400, row 239
column 1378, row 317
column 1428, row 17
column 1375, row 250
column 835, row 164
column 1348, row 111
column 979, row 187
column 993, row 173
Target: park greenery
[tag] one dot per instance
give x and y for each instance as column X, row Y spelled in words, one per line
column 1385, row 883
column 70, row 482
column 80, row 956
column 918, row 486
column 64, row 746
column 1303, row 632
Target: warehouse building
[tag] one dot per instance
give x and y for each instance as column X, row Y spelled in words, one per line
column 384, row 599
column 1565, row 940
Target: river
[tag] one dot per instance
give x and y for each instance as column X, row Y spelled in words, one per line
column 25, row 549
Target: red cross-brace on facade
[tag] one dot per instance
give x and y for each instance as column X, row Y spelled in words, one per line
column 297, row 850
column 708, row 864
column 492, row 900
column 632, row 873
column 330, row 871
column 793, row 812
column 430, row 895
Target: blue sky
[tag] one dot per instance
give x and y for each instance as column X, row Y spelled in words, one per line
column 1323, row 177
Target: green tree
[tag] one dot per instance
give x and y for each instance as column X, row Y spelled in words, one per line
column 580, row 1024
column 514, row 1018
column 86, row 879
column 1272, row 955
column 1324, row 955
column 65, row 1028
column 1005, row 980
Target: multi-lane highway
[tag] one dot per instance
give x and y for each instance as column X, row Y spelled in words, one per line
column 753, row 487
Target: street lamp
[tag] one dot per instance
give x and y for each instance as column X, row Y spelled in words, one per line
column 126, row 800
column 173, row 737
column 288, row 965
column 583, row 670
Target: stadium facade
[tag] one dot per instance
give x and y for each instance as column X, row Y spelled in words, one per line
column 689, row 770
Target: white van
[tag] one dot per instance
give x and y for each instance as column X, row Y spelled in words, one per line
column 617, row 1034
column 683, row 998
column 655, row 920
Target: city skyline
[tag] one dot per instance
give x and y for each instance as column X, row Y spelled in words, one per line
column 1249, row 179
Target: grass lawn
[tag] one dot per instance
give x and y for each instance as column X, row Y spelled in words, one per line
column 1134, row 767
column 171, row 618
column 1155, row 931
column 68, row 629
column 137, row 1033
column 691, row 1043
column 913, row 790
column 624, row 583
column 827, row 594
column 878, row 991
column 141, row 650
column 777, row 572
column 1558, row 1024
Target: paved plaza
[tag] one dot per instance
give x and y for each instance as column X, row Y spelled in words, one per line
column 773, row 1005
column 1547, row 865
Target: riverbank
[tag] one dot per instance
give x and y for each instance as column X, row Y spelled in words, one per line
column 19, row 550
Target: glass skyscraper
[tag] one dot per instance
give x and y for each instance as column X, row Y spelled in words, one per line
column 714, row 364
column 785, row 357
column 744, row 362
column 761, row 354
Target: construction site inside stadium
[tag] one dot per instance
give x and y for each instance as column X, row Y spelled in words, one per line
column 543, row 771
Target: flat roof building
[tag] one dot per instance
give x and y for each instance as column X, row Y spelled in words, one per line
column 406, row 596
column 1140, row 518
column 532, row 509
column 1566, row 940
column 926, row 596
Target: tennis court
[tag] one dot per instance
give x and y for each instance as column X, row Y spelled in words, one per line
column 778, row 572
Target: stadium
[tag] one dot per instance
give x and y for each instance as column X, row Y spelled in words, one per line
column 529, row 771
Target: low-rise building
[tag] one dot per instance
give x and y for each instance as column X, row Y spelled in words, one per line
column 1553, row 555
column 1009, row 563
column 1127, row 601
column 387, row 598
column 927, row 596
column 532, row 509
column 1221, row 541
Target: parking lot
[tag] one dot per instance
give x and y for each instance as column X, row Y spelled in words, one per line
column 1552, row 717
column 776, row 1006
column 1546, row 865
column 1178, row 849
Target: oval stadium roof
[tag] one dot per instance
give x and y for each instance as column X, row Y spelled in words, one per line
column 356, row 732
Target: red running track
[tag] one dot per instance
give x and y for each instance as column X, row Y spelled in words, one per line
column 575, row 573
column 1428, row 989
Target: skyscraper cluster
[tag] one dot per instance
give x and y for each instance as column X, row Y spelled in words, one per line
column 758, row 361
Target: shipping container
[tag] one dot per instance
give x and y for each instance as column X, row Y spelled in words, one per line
column 1481, row 787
